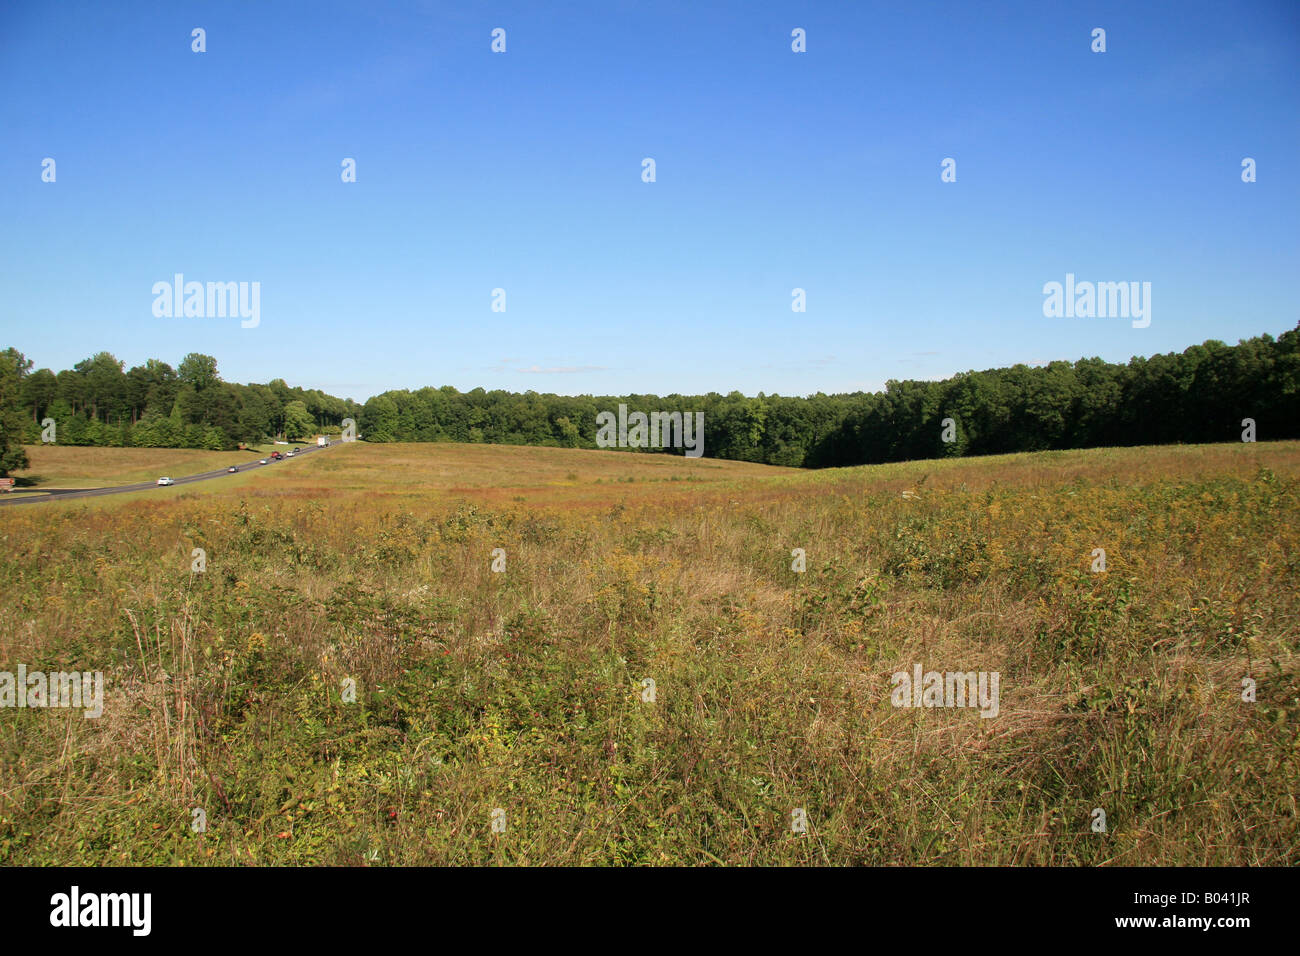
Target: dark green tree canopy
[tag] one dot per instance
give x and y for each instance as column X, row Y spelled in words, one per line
column 1200, row 395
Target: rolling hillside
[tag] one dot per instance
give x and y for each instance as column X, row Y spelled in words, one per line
column 524, row 689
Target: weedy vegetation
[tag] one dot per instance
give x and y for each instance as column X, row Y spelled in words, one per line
column 522, row 690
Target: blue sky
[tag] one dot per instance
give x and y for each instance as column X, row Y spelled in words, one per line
column 522, row 171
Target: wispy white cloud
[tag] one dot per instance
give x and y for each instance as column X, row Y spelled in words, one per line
column 802, row 365
column 561, row 369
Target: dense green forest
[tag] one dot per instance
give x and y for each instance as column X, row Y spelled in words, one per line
column 98, row 402
column 1200, row 395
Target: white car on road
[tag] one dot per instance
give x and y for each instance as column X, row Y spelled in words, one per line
column 166, row 481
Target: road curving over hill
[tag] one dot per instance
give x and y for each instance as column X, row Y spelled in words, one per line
column 64, row 494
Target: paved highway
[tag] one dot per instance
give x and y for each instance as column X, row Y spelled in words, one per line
column 56, row 494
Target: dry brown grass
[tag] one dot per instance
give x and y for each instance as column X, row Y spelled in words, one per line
column 521, row 690
column 73, row 466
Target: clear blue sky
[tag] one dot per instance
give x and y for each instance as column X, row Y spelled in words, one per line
column 522, row 170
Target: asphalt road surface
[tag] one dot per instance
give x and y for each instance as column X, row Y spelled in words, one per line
column 55, row 494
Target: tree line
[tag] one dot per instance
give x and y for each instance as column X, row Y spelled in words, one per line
column 1199, row 395
column 100, row 402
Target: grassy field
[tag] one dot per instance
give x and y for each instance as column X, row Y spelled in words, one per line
column 521, row 691
column 78, row 466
